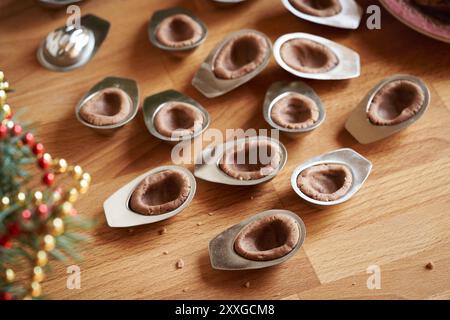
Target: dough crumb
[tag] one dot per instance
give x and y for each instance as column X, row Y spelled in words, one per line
column 353, row 284
column 185, row 289
column 252, row 197
column 180, row 264
column 429, row 265
column 162, row 231
column 247, row 284
column 199, row 223
column 210, row 214
column 130, row 230
column 165, row 252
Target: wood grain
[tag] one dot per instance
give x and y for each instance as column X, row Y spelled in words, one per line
column 400, row 220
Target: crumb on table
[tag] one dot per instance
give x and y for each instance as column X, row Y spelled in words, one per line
column 180, row 264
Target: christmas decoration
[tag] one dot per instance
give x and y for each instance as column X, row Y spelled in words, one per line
column 37, row 219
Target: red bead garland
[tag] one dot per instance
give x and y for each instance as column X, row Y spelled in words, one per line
column 38, row 149
column 3, row 131
column 26, row 214
column 43, row 162
column 14, row 229
column 6, row 242
column 28, row 139
column 16, row 130
column 48, row 179
column 6, row 296
column 42, row 210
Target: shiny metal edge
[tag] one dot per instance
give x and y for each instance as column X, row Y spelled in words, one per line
column 211, row 171
column 359, row 126
column 279, row 90
column 118, row 214
column 160, row 15
column 209, row 85
column 153, row 104
column 128, row 85
column 221, row 248
column 359, row 166
column 349, row 61
column 349, row 17
column 100, row 29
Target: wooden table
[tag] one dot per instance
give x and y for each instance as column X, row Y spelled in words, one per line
column 400, row 219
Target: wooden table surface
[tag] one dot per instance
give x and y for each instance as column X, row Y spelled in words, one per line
column 399, row 220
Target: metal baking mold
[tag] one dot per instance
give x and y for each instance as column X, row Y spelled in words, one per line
column 349, row 17
column 160, row 15
column 129, row 86
column 224, row 257
column 358, row 165
column 349, row 61
column 87, row 40
column 118, row 213
column 155, row 102
column 207, row 167
column 209, row 85
column 279, row 90
column 365, row 131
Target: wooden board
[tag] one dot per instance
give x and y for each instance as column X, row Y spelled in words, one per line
column 400, row 220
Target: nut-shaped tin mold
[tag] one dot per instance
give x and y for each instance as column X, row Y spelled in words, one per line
column 359, row 125
column 211, row 86
column 159, row 16
column 129, row 86
column 154, row 103
column 97, row 29
column 224, row 257
column 279, row 90
column 118, row 213
column 209, row 168
column 347, row 68
column 358, row 165
column 349, row 17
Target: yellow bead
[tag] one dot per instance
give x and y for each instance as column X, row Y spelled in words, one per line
column 10, row 275
column 36, row 289
column 86, row 176
column 4, row 85
column 49, row 243
column 5, row 202
column 61, row 165
column 56, row 196
column 2, row 96
column 47, row 157
column 6, row 109
column 72, row 195
column 83, row 186
column 21, row 197
column 37, row 197
column 58, row 227
column 41, row 258
column 66, row 208
column 38, row 274
column 77, row 172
